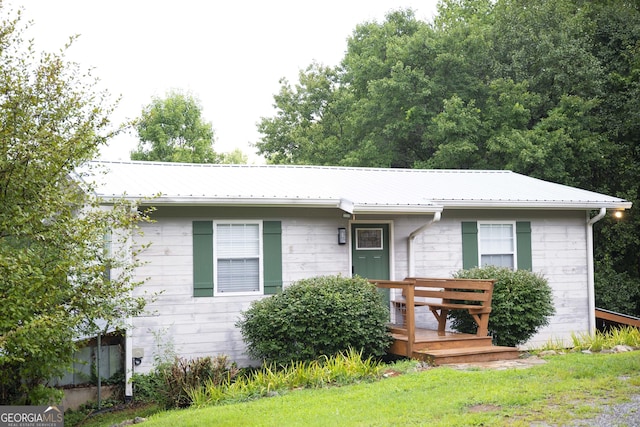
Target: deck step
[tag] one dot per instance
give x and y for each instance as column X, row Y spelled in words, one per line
column 451, row 342
column 467, row 355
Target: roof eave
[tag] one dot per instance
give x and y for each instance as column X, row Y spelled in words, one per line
column 359, row 208
column 541, row 204
column 278, row 202
column 242, row 201
column 396, row 209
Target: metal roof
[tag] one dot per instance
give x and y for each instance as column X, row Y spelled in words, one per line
column 354, row 190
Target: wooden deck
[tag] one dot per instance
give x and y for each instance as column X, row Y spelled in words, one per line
column 606, row 318
column 439, row 348
column 452, row 347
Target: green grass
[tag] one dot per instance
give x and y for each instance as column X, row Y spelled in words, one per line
column 568, row 387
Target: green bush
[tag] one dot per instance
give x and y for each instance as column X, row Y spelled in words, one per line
column 320, row 316
column 522, row 303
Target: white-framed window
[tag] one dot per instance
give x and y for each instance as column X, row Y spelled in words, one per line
column 497, row 244
column 238, row 258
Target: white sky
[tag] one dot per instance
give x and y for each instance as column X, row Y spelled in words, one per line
column 230, row 55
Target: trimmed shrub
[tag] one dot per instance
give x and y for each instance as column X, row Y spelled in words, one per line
column 320, row 316
column 522, row 304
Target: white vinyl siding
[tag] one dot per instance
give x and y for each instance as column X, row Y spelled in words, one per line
column 199, row 327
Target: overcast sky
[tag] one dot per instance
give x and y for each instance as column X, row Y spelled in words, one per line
column 230, row 55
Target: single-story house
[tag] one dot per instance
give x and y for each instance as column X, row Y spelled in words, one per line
column 226, row 235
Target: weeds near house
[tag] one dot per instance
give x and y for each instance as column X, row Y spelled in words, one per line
column 168, row 383
column 599, row 341
column 585, row 341
column 625, row 336
column 345, row 368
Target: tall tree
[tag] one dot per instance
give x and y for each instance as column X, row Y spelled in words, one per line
column 172, row 129
column 545, row 88
column 309, row 127
column 53, row 259
column 235, row 157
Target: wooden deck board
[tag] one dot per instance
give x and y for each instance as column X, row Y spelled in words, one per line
column 425, row 335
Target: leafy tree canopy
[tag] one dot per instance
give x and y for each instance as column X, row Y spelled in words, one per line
column 550, row 89
column 56, row 244
column 172, row 129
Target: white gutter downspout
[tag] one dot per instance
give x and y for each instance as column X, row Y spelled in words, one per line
column 590, row 269
column 412, row 237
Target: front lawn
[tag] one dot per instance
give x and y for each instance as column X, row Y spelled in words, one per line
column 569, row 387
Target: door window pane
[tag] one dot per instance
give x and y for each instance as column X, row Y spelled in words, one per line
column 369, row 238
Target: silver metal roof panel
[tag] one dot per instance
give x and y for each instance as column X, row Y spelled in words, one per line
column 355, row 190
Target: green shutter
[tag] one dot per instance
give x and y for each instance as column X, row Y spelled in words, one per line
column 469, row 245
column 272, row 252
column 202, row 258
column 523, row 242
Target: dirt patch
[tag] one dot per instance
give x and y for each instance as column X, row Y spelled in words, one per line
column 390, row 373
column 501, row 364
column 483, row 408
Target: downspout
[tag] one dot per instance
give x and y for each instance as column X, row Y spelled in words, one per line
column 412, row 237
column 129, row 364
column 590, row 269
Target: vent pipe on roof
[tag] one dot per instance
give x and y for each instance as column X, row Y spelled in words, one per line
column 412, row 237
column 590, row 274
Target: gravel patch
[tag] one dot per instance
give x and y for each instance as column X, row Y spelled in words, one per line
column 625, row 414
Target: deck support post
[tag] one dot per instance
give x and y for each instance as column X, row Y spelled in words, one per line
column 410, row 318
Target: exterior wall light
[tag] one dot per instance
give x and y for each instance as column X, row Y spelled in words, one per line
column 342, row 236
column 617, row 214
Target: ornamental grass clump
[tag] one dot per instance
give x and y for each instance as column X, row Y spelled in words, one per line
column 522, row 303
column 344, row 368
column 623, row 335
column 320, row 316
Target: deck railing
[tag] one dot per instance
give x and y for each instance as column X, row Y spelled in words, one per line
column 440, row 296
column 408, row 327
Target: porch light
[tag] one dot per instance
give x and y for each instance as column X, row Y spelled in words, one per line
column 617, row 214
column 342, row 236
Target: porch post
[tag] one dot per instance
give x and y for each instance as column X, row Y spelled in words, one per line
column 411, row 317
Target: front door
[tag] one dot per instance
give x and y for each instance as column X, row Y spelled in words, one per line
column 370, row 252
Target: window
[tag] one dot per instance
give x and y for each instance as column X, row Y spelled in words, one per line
column 237, row 253
column 369, row 239
column 237, row 258
column 501, row 243
column 497, row 245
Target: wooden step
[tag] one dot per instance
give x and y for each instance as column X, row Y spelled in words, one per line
column 467, row 355
column 453, row 341
column 399, row 345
